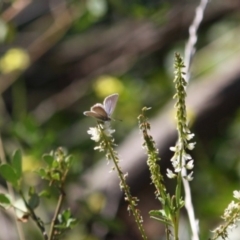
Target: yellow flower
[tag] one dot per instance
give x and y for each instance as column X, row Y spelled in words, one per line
column 15, row 59
column 106, row 85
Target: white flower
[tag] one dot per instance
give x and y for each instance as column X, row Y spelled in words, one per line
column 176, row 163
column 173, row 158
column 107, row 129
column 180, row 145
column 170, row 174
column 191, row 146
column 236, row 194
column 232, row 207
column 95, row 133
column 178, row 169
column 189, row 136
column 99, row 148
column 187, row 156
column 173, row 149
column 125, row 175
column 189, row 165
column 189, row 177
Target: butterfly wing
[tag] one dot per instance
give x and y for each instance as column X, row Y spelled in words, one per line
column 109, row 103
column 91, row 114
column 103, row 112
column 97, row 111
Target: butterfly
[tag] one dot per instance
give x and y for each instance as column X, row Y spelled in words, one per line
column 103, row 111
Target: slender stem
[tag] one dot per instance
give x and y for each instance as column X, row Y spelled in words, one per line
column 125, row 187
column 188, row 57
column 11, row 192
column 35, row 218
column 193, row 37
column 176, row 224
column 167, row 233
column 176, row 215
column 190, row 209
column 129, row 197
column 58, row 208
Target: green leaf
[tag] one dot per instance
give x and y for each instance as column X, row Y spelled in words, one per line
column 160, row 216
column 7, row 172
column 42, row 173
column 71, row 222
column 60, row 218
column 31, row 191
column 33, row 201
column 56, row 176
column 5, row 201
column 17, row 163
column 69, row 160
column 66, row 214
column 45, row 193
column 65, row 220
column 55, row 164
column 48, row 159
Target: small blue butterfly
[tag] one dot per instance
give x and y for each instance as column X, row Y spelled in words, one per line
column 103, row 111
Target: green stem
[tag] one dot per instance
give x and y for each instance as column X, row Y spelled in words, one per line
column 178, row 199
column 53, row 222
column 58, row 208
column 36, row 219
column 167, row 233
column 129, row 198
column 11, row 192
column 176, row 225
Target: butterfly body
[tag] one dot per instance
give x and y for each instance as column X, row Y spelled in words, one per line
column 103, row 111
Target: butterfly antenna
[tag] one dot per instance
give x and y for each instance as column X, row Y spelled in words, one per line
column 116, row 119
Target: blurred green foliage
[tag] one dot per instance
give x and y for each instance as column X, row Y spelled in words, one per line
column 147, row 80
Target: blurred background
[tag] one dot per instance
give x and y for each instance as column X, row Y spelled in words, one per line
column 59, row 57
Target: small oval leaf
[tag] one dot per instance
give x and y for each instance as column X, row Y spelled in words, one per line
column 33, row 201
column 48, row 159
column 5, row 201
column 45, row 194
column 42, row 173
column 17, row 162
column 8, row 174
